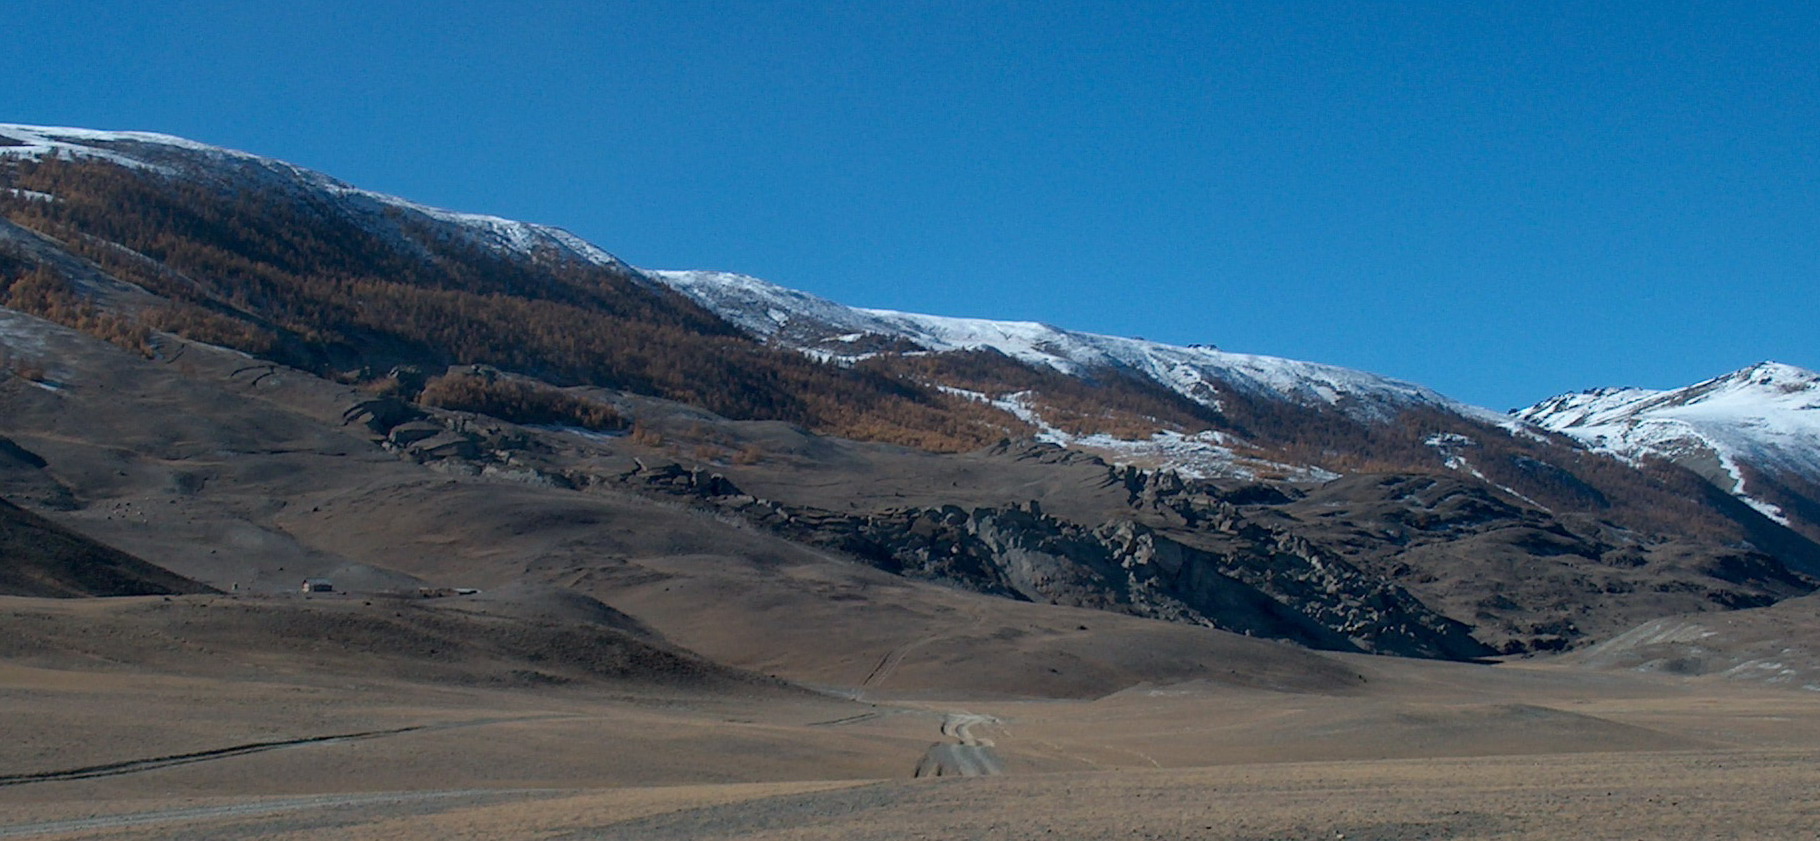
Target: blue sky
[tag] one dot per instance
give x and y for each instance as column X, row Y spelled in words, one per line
column 1500, row 200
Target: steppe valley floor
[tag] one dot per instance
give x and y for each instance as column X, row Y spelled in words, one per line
column 273, row 739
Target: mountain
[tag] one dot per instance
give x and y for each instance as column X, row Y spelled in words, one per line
column 325, row 379
column 1754, row 433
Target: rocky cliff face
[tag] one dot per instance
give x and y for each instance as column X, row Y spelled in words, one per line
column 1257, row 581
column 1410, row 565
column 1243, row 576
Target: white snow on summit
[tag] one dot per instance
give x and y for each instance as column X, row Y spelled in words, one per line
column 168, row 154
column 798, row 319
column 832, row 331
column 1767, row 415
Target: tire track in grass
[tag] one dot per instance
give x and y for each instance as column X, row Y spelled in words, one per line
column 134, row 766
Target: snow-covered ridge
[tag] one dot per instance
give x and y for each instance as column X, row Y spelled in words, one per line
column 1766, row 415
column 798, row 319
column 178, row 156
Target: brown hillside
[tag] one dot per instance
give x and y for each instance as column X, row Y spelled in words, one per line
column 41, row 558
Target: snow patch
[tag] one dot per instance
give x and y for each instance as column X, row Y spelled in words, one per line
column 1208, row 454
column 1450, row 445
column 36, row 142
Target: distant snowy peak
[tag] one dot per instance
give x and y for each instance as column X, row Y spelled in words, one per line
column 1771, row 385
column 1767, row 388
column 817, row 325
column 187, row 158
column 1583, row 409
column 1766, row 416
column 1770, row 400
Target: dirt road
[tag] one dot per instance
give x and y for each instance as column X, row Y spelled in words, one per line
column 968, row 756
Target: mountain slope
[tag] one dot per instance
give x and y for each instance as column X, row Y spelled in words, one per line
column 40, row 558
column 1235, row 415
column 175, row 155
column 296, row 267
column 1196, row 409
column 299, row 268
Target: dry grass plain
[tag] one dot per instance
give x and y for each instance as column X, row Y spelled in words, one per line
column 202, row 739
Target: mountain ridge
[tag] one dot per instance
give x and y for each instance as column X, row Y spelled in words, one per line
column 1191, row 438
column 493, row 231
column 1184, row 369
column 1250, row 493
column 1066, row 350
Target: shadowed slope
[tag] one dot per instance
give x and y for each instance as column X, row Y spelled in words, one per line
column 40, row 558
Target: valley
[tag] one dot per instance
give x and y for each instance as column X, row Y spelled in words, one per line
column 330, row 515
column 265, row 735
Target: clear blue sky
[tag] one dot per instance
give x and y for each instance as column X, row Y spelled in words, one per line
column 1500, row 200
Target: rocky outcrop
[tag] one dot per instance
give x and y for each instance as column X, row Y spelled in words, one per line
column 1262, row 582
column 675, row 480
column 1526, row 579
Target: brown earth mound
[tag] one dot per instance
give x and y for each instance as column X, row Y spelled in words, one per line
column 40, row 558
column 399, row 637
